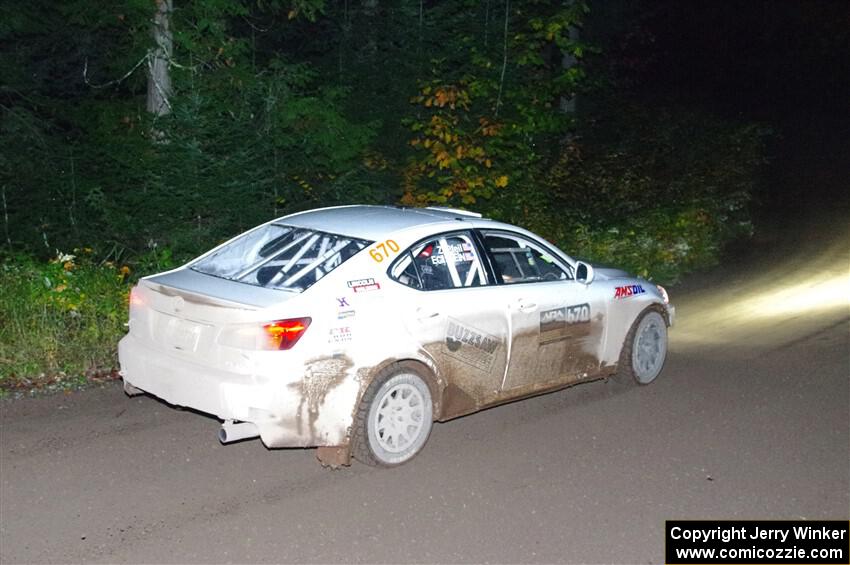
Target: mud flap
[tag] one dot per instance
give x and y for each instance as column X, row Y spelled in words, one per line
column 130, row 390
column 334, row 456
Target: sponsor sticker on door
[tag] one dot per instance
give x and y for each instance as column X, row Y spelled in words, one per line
column 470, row 345
column 555, row 323
column 364, row 285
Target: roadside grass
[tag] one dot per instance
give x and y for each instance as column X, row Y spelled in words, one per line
column 60, row 322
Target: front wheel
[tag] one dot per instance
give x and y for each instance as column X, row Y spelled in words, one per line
column 645, row 348
column 394, row 419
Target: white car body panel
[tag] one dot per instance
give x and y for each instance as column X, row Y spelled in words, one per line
column 482, row 345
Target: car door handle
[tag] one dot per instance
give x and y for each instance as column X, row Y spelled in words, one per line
column 425, row 313
column 527, row 306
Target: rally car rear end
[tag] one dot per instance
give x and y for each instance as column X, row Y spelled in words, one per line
column 215, row 356
column 219, row 335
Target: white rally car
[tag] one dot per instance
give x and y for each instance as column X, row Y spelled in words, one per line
column 354, row 328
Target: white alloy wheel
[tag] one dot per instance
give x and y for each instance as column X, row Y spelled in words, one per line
column 649, row 348
column 399, row 419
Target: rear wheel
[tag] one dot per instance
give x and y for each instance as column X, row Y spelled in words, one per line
column 645, row 349
column 394, row 419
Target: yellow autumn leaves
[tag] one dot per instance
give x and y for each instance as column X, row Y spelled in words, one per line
column 69, row 274
column 442, row 96
column 456, row 163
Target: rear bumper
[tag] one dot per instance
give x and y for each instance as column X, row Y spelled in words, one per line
column 280, row 406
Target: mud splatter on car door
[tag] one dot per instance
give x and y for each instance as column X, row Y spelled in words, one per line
column 557, row 329
column 467, row 338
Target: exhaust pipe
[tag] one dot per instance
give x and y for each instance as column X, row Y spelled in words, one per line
column 231, row 431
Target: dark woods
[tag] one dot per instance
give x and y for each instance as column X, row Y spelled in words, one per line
column 141, row 128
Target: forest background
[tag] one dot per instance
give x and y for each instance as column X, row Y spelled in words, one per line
column 140, row 133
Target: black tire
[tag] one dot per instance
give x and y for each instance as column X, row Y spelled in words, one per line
column 381, row 440
column 650, row 325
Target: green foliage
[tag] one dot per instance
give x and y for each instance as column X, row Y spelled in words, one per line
column 60, row 320
column 660, row 197
column 251, row 135
column 226, row 164
column 491, row 115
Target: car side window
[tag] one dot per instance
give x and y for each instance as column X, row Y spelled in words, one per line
column 518, row 260
column 405, row 272
column 443, row 262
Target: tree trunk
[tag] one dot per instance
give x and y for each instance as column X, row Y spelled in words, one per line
column 370, row 10
column 159, row 75
column 568, row 105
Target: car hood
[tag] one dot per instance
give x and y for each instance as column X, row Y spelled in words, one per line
column 604, row 273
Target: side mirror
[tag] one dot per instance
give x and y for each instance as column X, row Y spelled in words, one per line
column 584, row 272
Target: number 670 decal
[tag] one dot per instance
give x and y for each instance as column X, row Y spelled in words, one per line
column 383, row 250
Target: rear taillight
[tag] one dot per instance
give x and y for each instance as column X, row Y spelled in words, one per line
column 284, row 334
column 136, row 297
column 259, row 336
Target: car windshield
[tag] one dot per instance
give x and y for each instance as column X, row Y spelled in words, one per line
column 280, row 257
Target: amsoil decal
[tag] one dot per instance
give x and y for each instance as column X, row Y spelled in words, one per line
column 626, row 291
column 553, row 323
column 364, row 285
column 470, row 345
